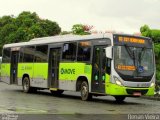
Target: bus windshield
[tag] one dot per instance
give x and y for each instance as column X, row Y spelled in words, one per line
column 134, row 61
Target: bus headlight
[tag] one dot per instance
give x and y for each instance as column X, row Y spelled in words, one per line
column 118, row 82
column 152, row 84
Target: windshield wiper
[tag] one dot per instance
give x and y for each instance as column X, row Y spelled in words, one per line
column 141, row 54
column 133, row 57
column 131, row 54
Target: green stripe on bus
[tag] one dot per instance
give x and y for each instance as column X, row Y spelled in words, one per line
column 5, row 69
column 34, row 70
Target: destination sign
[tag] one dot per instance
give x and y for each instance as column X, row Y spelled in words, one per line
column 132, row 41
column 126, row 67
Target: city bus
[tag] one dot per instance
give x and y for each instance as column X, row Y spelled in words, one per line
column 118, row 65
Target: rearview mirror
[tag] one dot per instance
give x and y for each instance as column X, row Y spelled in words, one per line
column 108, row 52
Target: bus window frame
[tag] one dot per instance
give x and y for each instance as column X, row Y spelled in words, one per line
column 91, row 51
column 3, row 55
column 23, row 53
column 69, row 60
column 48, row 50
column 55, row 45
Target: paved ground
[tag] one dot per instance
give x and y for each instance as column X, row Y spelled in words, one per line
column 13, row 100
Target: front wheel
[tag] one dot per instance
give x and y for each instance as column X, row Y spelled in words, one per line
column 119, row 99
column 85, row 95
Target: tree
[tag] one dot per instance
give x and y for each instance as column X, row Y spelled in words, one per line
column 79, row 29
column 6, row 31
column 24, row 27
column 152, row 33
column 144, row 28
column 6, row 20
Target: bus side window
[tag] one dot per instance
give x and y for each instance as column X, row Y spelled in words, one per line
column 69, row 51
column 84, row 51
column 106, row 63
column 28, row 55
column 6, row 55
column 41, row 53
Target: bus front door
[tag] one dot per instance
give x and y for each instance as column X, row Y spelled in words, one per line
column 14, row 67
column 54, row 58
column 98, row 70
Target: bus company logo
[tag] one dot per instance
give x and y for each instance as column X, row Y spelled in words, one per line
column 26, row 68
column 67, row 71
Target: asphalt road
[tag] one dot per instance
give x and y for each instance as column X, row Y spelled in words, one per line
column 14, row 101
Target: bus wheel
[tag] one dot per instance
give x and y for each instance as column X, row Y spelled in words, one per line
column 57, row 93
column 26, row 85
column 119, row 99
column 85, row 95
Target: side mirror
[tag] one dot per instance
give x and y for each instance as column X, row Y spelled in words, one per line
column 108, row 51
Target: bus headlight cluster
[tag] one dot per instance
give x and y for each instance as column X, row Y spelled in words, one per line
column 152, row 84
column 118, row 82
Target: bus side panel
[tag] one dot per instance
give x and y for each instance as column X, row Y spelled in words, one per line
column 69, row 73
column 5, row 73
column 40, row 75
column 25, row 68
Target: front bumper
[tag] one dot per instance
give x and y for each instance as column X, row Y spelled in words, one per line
column 114, row 89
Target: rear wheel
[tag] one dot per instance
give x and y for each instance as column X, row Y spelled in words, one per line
column 26, row 85
column 119, row 99
column 57, row 93
column 85, row 95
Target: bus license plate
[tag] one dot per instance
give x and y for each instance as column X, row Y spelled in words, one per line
column 137, row 94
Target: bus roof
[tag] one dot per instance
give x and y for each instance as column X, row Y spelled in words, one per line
column 56, row 39
column 61, row 38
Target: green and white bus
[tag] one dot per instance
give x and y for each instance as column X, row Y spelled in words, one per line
column 119, row 65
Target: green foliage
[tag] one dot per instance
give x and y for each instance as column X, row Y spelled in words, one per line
column 27, row 19
column 155, row 35
column 6, row 20
column 79, row 29
column 144, row 28
column 157, row 49
column 25, row 27
column 158, row 71
column 152, row 33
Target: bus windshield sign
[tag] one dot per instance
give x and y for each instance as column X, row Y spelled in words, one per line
column 132, row 41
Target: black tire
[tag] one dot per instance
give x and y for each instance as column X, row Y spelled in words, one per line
column 119, row 99
column 26, row 85
column 85, row 95
column 57, row 93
